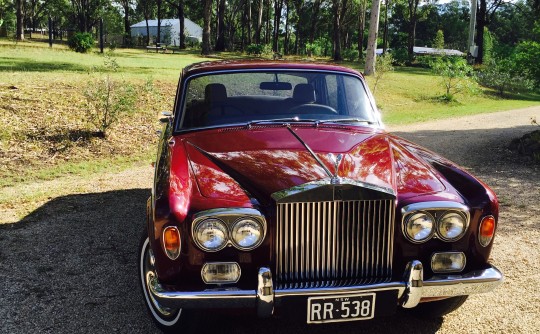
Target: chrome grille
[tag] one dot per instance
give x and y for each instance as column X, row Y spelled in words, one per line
column 335, row 243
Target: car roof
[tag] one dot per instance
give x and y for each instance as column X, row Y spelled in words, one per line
column 225, row 65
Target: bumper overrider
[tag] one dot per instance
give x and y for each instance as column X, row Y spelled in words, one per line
column 410, row 290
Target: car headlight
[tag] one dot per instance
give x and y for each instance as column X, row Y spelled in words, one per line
column 247, row 233
column 419, row 226
column 451, row 226
column 211, row 234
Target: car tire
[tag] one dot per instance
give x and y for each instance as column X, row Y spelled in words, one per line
column 437, row 309
column 167, row 319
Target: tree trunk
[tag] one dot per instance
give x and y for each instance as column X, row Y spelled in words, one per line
column 278, row 5
column 369, row 68
column 147, row 31
column 336, row 42
column 480, row 24
column 299, row 5
column 267, row 32
column 413, row 18
column 220, row 41
column 158, row 37
column 249, row 32
column 361, row 29
column 20, row 20
column 314, row 20
column 385, row 33
column 287, row 36
column 127, row 27
column 207, row 16
column 181, row 18
column 259, row 22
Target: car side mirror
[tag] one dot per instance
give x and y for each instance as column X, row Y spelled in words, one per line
column 166, row 117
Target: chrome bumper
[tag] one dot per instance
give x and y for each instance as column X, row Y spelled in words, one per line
column 410, row 291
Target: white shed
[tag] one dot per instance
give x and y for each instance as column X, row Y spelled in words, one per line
column 170, row 30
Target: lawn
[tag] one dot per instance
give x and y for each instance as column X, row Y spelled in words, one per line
column 44, row 133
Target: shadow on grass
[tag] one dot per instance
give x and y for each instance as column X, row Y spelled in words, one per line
column 527, row 96
column 23, row 65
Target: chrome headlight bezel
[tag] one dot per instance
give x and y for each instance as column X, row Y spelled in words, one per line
column 440, row 222
column 237, row 225
column 218, row 222
column 230, row 217
column 413, row 216
column 438, row 210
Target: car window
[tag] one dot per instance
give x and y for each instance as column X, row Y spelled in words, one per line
column 241, row 97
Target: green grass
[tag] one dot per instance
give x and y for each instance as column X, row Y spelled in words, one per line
column 50, row 81
column 36, row 57
column 410, row 95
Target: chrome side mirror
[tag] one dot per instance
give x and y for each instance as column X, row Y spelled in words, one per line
column 166, row 117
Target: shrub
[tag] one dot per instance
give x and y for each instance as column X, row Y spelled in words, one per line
column 81, row 42
column 498, row 74
column 383, row 65
column 350, row 54
column 400, row 56
column 456, row 76
column 527, row 58
column 438, row 41
column 255, row 49
column 106, row 98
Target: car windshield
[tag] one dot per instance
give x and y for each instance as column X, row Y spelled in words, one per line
column 264, row 96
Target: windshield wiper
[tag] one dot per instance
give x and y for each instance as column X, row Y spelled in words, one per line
column 281, row 120
column 345, row 120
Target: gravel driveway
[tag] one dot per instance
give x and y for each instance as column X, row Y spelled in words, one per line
column 70, row 265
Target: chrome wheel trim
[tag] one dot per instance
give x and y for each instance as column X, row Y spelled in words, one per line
column 147, row 274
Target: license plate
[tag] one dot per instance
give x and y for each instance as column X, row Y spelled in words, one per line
column 341, row 308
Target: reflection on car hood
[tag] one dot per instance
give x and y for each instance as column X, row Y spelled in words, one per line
column 261, row 161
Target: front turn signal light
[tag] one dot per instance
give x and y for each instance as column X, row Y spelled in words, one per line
column 171, row 242
column 486, row 230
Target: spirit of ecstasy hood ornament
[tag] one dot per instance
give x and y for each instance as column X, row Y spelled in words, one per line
column 337, row 160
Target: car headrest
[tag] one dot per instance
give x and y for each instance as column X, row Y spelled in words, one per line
column 215, row 92
column 304, row 93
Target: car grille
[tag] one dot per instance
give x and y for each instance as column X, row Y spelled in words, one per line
column 335, row 243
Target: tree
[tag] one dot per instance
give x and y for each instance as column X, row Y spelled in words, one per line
column 484, row 15
column 361, row 28
column 336, row 41
column 413, row 19
column 438, row 42
column 278, row 6
column 372, row 38
column 126, row 7
column 220, row 41
column 207, row 17
column 19, row 34
column 259, row 22
column 146, row 7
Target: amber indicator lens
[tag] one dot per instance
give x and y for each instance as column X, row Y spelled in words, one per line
column 171, row 242
column 487, row 230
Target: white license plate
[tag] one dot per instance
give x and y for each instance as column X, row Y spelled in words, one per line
column 341, row 308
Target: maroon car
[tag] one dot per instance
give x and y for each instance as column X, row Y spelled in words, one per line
column 276, row 186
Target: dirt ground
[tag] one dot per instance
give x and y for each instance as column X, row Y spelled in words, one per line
column 70, row 265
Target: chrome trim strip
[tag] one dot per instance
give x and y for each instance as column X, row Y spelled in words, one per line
column 477, row 281
column 278, row 195
column 434, row 205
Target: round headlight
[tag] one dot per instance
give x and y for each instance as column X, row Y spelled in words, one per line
column 419, row 226
column 247, row 233
column 211, row 234
column 451, row 226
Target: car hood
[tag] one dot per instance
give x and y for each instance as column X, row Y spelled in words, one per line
column 257, row 162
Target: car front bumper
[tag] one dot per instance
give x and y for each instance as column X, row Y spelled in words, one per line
column 410, row 290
